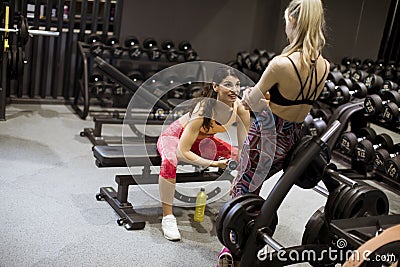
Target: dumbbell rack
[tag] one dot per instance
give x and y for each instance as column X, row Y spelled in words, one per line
column 82, row 94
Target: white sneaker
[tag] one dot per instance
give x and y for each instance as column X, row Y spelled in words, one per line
column 170, row 228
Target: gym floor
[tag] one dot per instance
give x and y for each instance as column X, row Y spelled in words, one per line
column 50, row 216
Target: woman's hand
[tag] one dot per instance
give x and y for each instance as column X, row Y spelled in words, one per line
column 249, row 103
column 222, row 163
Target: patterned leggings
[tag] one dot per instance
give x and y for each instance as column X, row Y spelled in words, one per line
column 259, row 152
column 209, row 148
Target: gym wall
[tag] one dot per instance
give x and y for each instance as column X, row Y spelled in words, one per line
column 219, row 29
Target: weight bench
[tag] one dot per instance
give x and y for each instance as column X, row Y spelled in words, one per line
column 145, row 155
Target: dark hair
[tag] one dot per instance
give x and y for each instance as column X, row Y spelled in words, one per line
column 208, row 96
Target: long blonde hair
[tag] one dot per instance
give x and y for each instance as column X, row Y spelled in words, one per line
column 308, row 31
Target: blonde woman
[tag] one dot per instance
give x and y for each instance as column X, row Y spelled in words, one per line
column 292, row 82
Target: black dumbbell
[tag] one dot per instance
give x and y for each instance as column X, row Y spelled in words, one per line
column 315, row 122
column 263, row 59
column 169, row 50
column 261, row 64
column 388, row 85
column 232, row 165
column 359, row 75
column 134, row 50
column 328, row 91
column 335, row 76
column 373, row 104
column 136, row 76
column 97, row 84
column 392, row 168
column 391, row 113
column 150, row 46
column 373, row 82
column 367, row 64
column 116, row 48
column 188, row 52
column 382, row 155
column 349, row 140
column 96, row 45
column 241, row 57
column 389, row 72
column 365, row 149
column 343, row 93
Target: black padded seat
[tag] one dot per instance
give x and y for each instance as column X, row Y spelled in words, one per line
column 135, row 155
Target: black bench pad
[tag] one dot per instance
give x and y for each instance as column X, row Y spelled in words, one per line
column 135, row 155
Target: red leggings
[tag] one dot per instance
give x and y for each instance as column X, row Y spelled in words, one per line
column 210, row 148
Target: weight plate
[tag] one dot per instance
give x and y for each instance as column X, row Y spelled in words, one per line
column 224, row 211
column 313, row 227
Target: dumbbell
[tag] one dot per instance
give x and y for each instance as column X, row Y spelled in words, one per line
column 373, row 82
column 392, row 168
column 365, row 149
column 315, row 122
column 168, row 48
column 388, row 85
column 188, row 52
column 335, row 76
column 263, row 59
column 367, row 64
column 97, row 84
column 136, row 76
column 231, row 166
column 373, row 104
column 96, row 45
column 359, row 75
column 343, row 93
column 389, row 72
column 328, row 92
column 382, row 155
column 134, row 50
column 349, row 140
column 391, row 113
column 116, row 48
column 241, row 57
column 150, row 46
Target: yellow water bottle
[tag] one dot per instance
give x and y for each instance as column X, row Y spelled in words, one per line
column 201, row 200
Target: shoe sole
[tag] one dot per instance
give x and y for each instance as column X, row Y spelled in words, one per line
column 171, row 238
column 225, row 260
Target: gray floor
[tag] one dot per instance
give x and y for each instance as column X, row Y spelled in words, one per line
column 50, row 216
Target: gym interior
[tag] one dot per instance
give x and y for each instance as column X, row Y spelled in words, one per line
column 74, row 195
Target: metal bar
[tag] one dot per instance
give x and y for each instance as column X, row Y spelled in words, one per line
column 3, row 91
column 68, row 49
column 23, row 8
column 117, row 18
column 33, row 32
column 84, row 7
column 331, row 130
column 57, row 51
column 82, row 87
column 320, row 190
column 392, row 36
column 270, row 241
column 341, row 178
column 388, row 29
column 106, row 18
column 34, row 53
column 45, row 56
column 95, row 14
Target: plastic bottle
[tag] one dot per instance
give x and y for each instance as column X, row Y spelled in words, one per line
column 200, row 205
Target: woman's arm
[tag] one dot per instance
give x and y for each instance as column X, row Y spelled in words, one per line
column 189, row 136
column 255, row 96
column 243, row 126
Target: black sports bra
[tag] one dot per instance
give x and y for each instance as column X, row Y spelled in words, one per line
column 277, row 98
